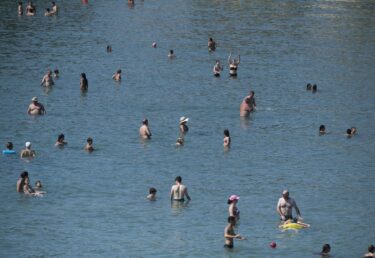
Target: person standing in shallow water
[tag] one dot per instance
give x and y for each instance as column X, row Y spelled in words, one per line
column 183, row 125
column 84, row 84
column 89, row 145
column 179, row 191
column 229, row 234
column 47, row 80
column 248, row 105
column 36, row 108
column 227, row 139
column 144, row 130
column 217, row 68
column 117, row 75
column 20, row 8
column 211, row 45
column 233, row 65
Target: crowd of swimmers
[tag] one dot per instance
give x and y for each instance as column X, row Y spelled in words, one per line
column 179, row 191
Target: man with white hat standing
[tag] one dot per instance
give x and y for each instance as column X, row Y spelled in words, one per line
column 182, row 125
column 28, row 153
column 36, row 108
column 285, row 207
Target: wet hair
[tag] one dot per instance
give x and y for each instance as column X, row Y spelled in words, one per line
column 53, row 3
column 252, row 92
column 9, row 145
column 152, row 190
column 326, row 248
column 56, row 71
column 145, row 121
column 231, row 219
column 211, row 39
column 89, row 139
column 349, row 131
column 83, row 75
column 308, row 86
column 226, row 132
column 171, row 51
column 47, row 9
column 178, row 179
column 20, row 2
column 109, row 48
column 60, row 137
column 322, row 128
column 314, row 88
column 38, row 184
column 119, row 71
column 24, row 174
column 371, row 248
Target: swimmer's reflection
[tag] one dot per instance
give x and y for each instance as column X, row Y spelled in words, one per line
column 179, row 204
column 245, row 122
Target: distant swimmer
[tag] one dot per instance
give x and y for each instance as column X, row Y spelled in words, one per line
column 36, row 108
column 171, row 54
column 233, row 65
column 28, row 190
column 54, row 10
column 248, row 104
column 89, row 145
column 353, row 131
column 309, row 86
column 322, row 130
column 183, row 125
column 211, row 45
column 48, row 12
column 30, row 9
column 9, row 149
column 217, row 68
column 314, row 88
column 285, row 207
column 117, row 75
column 38, row 185
column 109, row 49
column 371, row 252
column 229, row 233
column 325, row 250
column 232, row 209
column 180, row 141
column 56, row 73
column 179, row 191
column 20, row 8
column 144, row 130
column 60, row 141
column 152, row 194
column 21, row 181
column 227, row 140
column 83, row 83
column 47, row 79
column 28, row 152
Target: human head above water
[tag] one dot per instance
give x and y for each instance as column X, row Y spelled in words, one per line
column 9, row 145
column 322, row 128
column 145, row 121
column 226, row 133
column 89, row 140
column 24, row 174
column 326, row 248
column 178, row 179
column 61, row 137
column 152, row 190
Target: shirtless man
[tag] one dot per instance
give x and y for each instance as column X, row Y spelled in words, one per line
column 47, row 78
column 248, row 104
column 285, row 207
column 89, row 147
column 229, row 233
column 183, row 126
column 211, row 45
column 117, row 75
column 144, row 130
column 27, row 152
column 179, row 191
column 36, row 108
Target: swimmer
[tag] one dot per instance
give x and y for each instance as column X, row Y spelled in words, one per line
column 56, row 73
column 308, row 86
column 182, row 125
column 117, row 75
column 217, row 68
column 371, row 252
column 30, row 9
column 47, row 78
column 109, row 49
column 36, row 108
column 349, row 132
column 314, row 88
column 229, row 234
column 325, row 250
column 89, row 147
column 180, row 141
column 152, row 194
column 285, row 207
column 248, row 104
column 179, row 191
column 233, row 65
column 9, row 149
column 27, row 189
column 60, row 140
column 54, row 9
column 227, row 140
column 322, row 130
column 28, row 152
column 131, row 2
column 20, row 8
column 171, row 54
column 144, row 130
column 83, row 83
column 38, row 185
column 211, row 45
column 21, row 181
column 48, row 12
column 154, row 45
column 232, row 209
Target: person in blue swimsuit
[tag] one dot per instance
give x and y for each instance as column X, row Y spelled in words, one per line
column 9, row 149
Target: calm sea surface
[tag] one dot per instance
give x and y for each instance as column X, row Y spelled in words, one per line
column 96, row 206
